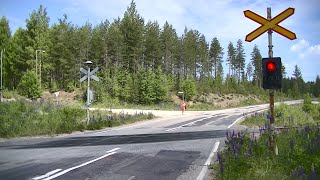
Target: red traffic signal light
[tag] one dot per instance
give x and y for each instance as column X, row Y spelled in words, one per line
column 271, row 66
column 271, row 71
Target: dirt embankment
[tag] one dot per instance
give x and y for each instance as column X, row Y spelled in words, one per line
column 221, row 100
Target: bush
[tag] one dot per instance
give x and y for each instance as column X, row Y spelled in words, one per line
column 307, row 104
column 29, row 85
column 189, row 88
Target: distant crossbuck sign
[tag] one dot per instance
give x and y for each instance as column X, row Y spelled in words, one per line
column 270, row 24
column 91, row 76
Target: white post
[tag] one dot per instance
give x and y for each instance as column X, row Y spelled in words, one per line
column 88, row 95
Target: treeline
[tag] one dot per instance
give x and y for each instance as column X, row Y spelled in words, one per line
column 139, row 61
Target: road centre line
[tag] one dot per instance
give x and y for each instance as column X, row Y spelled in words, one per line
column 187, row 124
column 52, row 174
column 205, row 168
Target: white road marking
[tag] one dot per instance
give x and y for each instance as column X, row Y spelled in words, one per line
column 205, row 168
column 243, row 117
column 81, row 165
column 47, row 175
column 113, row 150
column 52, row 174
column 172, row 129
column 235, row 121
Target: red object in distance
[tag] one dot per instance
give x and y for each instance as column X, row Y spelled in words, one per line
column 271, row 66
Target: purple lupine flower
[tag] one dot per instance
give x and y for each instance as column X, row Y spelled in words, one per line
column 227, row 134
column 294, row 175
column 313, row 174
column 220, row 162
column 233, row 133
column 301, row 171
column 291, row 144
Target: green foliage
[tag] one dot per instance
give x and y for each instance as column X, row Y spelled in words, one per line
column 29, row 85
column 215, row 55
column 24, row 119
column 285, row 115
column 189, row 89
column 126, row 46
column 247, row 156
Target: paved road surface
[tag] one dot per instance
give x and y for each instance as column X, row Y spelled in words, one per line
column 173, row 147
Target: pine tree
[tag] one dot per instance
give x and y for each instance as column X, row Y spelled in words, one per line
column 152, row 50
column 256, row 59
column 169, row 47
column 231, row 58
column 38, row 39
column 15, row 63
column 204, row 62
column 5, row 38
column 5, row 33
column 115, row 47
column 249, row 70
column 132, row 26
column 240, row 60
column 215, row 55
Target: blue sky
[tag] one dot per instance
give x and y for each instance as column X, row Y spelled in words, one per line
column 223, row 19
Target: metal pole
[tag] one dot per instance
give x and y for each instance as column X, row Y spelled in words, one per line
column 1, row 77
column 88, row 98
column 271, row 91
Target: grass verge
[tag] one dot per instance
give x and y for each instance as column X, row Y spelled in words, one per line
column 248, row 157
column 30, row 119
column 285, row 115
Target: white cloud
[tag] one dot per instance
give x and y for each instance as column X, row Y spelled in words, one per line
column 300, row 46
column 314, row 49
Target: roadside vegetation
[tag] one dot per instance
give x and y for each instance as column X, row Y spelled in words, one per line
column 30, row 119
column 247, row 155
column 140, row 62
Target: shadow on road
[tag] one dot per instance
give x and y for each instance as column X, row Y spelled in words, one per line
column 122, row 139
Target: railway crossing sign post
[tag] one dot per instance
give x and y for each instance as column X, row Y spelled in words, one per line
column 270, row 24
column 88, row 75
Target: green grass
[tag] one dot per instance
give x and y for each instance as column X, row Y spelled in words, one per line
column 247, row 156
column 30, row 119
column 285, row 115
column 253, row 159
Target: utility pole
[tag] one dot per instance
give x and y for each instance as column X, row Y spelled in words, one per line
column 2, row 50
column 271, row 91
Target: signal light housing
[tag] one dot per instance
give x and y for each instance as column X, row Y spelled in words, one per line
column 272, row 75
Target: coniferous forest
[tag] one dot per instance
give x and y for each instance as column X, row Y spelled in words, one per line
column 140, row 61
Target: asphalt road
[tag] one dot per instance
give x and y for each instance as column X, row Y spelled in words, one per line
column 174, row 146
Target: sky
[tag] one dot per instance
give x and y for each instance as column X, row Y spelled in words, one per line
column 223, row 19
